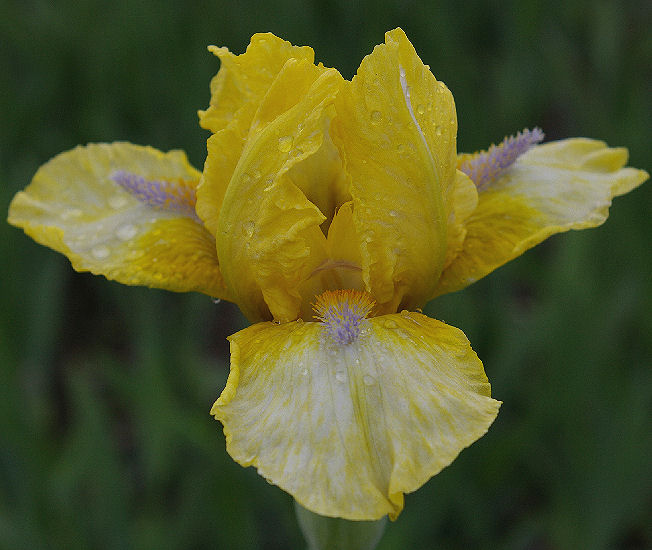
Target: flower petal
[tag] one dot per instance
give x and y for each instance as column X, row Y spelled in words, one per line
column 237, row 91
column 552, row 188
column 244, row 79
column 269, row 238
column 347, row 429
column 125, row 212
column 396, row 128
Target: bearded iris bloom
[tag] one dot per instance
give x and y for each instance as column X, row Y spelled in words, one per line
column 330, row 211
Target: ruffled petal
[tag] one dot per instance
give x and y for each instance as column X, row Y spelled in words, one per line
column 244, row 79
column 346, row 429
column 269, row 238
column 236, row 93
column 396, row 129
column 125, row 212
column 552, row 188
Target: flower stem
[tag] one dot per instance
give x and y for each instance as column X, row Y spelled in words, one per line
column 324, row 533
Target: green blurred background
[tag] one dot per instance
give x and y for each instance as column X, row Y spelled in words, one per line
column 105, row 437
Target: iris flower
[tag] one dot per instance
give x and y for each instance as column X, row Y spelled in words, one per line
column 330, row 211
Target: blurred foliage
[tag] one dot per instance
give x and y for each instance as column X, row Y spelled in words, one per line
column 105, row 437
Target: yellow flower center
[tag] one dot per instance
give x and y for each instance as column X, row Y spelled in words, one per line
column 341, row 312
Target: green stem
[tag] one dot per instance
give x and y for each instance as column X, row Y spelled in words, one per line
column 324, row 533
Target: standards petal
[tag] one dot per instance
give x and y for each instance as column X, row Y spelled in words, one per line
column 125, row 212
column 237, row 91
column 269, row 238
column 244, row 79
column 552, row 188
column 348, row 428
column 396, row 129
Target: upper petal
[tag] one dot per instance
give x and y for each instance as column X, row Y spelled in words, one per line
column 552, row 188
column 347, row 429
column 396, row 129
column 236, row 94
column 269, row 238
column 125, row 212
column 244, row 79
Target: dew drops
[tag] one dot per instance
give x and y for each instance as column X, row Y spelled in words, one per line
column 421, row 109
column 376, row 117
column 438, row 130
column 390, row 323
column 340, row 376
column 126, row 232
column 135, row 255
column 100, row 252
column 393, row 213
column 285, row 144
column 368, row 380
column 248, row 228
column 118, row 201
column 71, row 213
column 216, row 300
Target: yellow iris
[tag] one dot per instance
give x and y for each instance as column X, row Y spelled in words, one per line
column 343, row 196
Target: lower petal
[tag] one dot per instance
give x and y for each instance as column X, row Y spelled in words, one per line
column 346, row 429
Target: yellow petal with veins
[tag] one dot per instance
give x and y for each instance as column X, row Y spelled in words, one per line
column 269, row 238
column 346, row 429
column 396, row 129
column 554, row 187
column 125, row 212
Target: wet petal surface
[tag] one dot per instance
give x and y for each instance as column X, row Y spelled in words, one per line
column 348, row 428
column 125, row 212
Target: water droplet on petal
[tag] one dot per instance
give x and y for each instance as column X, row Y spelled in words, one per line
column 71, row 213
column 393, row 213
column 340, row 376
column 390, row 323
column 135, row 255
column 421, row 109
column 118, row 201
column 100, row 252
column 438, row 130
column 376, row 117
column 285, row 144
column 126, row 232
column 216, row 301
column 248, row 228
column 368, row 380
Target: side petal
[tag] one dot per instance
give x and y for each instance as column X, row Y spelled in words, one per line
column 237, row 91
column 554, row 187
column 269, row 238
column 347, row 429
column 123, row 211
column 396, row 128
